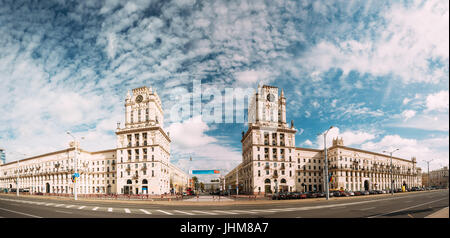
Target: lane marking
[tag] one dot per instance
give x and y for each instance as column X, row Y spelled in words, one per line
column 408, row 208
column 70, row 206
column 168, row 213
column 226, row 212
column 63, row 212
column 21, row 213
column 59, row 205
column 81, row 207
column 188, row 213
column 209, row 213
column 127, row 210
column 110, row 209
column 243, row 211
column 410, row 215
column 94, row 209
column 144, row 211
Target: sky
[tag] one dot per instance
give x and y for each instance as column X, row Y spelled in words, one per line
column 378, row 71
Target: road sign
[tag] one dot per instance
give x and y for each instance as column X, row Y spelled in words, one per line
column 205, row 171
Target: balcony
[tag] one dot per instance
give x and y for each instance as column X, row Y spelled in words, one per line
column 267, row 167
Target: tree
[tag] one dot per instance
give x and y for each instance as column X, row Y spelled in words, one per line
column 195, row 180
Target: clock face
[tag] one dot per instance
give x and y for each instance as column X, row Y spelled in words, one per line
column 139, row 98
column 270, row 97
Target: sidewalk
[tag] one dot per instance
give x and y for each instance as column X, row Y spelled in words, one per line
column 209, row 199
column 443, row 213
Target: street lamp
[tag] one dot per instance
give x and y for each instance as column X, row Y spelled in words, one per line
column 75, row 163
column 429, row 177
column 18, row 169
column 327, row 185
column 392, row 178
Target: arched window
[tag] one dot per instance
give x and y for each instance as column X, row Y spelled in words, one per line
column 144, row 181
column 267, row 181
column 129, row 181
column 283, row 180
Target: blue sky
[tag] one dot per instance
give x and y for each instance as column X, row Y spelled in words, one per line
column 376, row 70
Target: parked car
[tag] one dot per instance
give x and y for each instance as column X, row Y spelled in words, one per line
column 303, row 196
column 357, row 193
column 371, row 192
column 336, row 194
column 366, row 193
column 311, row 195
column 350, row 193
column 321, row 195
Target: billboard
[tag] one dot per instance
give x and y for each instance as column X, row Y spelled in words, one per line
column 205, row 172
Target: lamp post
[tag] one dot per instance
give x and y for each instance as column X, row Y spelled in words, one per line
column 17, row 180
column 327, row 185
column 18, row 168
column 428, row 175
column 392, row 176
column 75, row 164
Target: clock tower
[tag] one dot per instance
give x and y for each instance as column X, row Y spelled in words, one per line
column 143, row 147
column 268, row 146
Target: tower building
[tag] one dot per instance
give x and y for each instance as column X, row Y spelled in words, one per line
column 143, row 147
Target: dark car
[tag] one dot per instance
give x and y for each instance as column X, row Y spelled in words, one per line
column 358, row 193
column 320, row 194
column 311, row 195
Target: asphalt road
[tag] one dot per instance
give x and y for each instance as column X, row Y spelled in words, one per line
column 403, row 205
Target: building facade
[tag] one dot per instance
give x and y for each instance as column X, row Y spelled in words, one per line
column 140, row 164
column 439, row 178
column 271, row 162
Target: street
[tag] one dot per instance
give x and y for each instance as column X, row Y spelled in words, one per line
column 402, row 205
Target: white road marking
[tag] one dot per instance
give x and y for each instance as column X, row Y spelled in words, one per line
column 94, row 209
column 243, row 211
column 21, row 213
column 81, row 207
column 144, row 211
column 48, row 204
column 226, row 212
column 408, row 208
column 256, row 210
column 59, row 205
column 168, row 213
column 110, row 209
column 188, row 213
column 70, row 206
column 127, row 210
column 209, row 213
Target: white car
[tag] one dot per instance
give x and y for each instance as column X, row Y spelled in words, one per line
column 383, row 191
column 352, row 193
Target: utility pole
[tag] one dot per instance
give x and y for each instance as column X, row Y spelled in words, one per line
column 75, row 185
column 237, row 181
column 429, row 177
column 392, row 178
column 17, row 182
column 327, row 182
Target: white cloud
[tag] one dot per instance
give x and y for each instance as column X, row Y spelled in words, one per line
column 426, row 149
column 408, row 114
column 351, row 138
column 412, row 36
column 437, row 101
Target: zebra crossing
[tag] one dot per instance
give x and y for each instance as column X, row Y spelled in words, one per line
column 170, row 212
